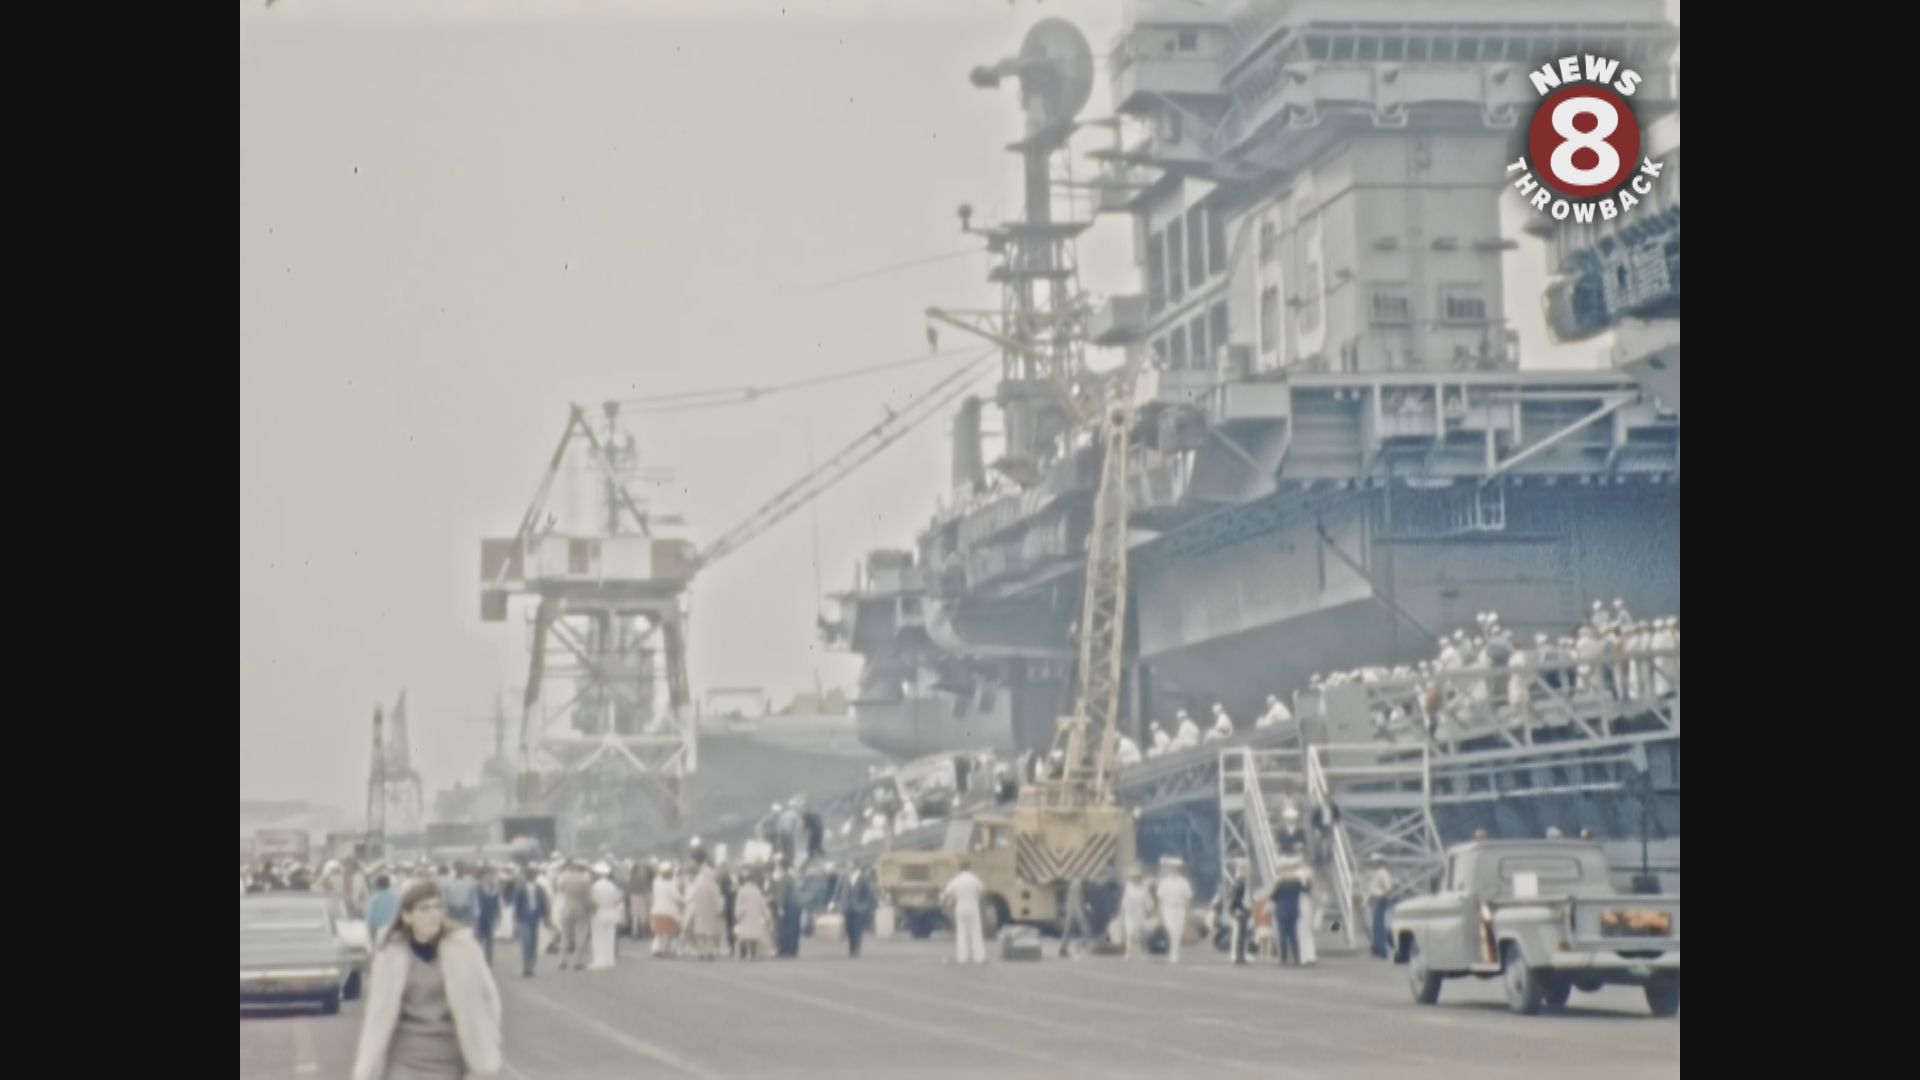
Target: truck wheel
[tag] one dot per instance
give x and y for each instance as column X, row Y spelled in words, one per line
column 330, row 1005
column 920, row 926
column 993, row 915
column 1526, row 987
column 1559, row 992
column 1424, row 983
column 352, row 991
column 1663, row 996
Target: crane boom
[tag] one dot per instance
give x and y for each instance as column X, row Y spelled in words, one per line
column 836, row 468
column 1088, row 739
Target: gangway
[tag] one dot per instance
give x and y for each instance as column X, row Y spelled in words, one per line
column 1394, row 757
column 1515, row 707
column 1375, row 804
column 1248, row 777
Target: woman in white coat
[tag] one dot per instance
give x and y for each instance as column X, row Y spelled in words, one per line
column 703, row 909
column 432, row 1009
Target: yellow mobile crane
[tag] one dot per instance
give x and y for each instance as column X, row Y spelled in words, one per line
column 1069, row 824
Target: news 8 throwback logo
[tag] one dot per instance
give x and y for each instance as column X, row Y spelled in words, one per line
column 1582, row 157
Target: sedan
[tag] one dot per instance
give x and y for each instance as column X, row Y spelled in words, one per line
column 291, row 953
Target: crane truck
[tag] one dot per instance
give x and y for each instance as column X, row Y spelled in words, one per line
column 1069, row 824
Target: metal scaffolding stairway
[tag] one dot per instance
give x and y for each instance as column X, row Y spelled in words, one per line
column 1249, row 777
column 1499, row 737
column 1375, row 804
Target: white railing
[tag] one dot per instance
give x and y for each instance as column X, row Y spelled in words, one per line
column 1417, row 817
column 1242, row 778
column 1266, row 853
column 1516, row 701
column 1321, row 793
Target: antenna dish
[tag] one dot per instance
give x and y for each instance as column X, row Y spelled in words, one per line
column 1056, row 72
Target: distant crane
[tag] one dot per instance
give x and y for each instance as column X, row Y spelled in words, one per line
column 394, row 788
column 392, row 782
column 612, row 612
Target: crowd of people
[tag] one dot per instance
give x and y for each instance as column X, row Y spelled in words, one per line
column 697, row 908
column 902, row 798
column 707, row 910
column 1156, row 911
column 1186, row 735
column 433, row 1008
column 1611, row 657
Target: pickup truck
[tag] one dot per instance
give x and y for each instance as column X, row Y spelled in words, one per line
column 1543, row 916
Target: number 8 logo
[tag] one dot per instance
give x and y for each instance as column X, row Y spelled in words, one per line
column 1607, row 121
column 1583, row 162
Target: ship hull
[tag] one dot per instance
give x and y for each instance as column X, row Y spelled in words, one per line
column 754, row 769
column 744, row 769
column 1370, row 587
column 920, row 724
column 1368, row 583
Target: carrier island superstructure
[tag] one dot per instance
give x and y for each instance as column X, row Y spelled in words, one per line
column 1339, row 453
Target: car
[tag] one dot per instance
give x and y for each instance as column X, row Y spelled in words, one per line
column 292, row 953
column 1544, row 917
column 354, row 932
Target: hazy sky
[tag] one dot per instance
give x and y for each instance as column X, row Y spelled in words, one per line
column 454, row 222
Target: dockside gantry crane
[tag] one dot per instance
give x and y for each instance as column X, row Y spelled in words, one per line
column 611, row 611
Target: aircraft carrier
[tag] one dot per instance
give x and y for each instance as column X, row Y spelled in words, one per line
column 1340, row 453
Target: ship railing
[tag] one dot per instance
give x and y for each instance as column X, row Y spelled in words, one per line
column 1518, row 704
